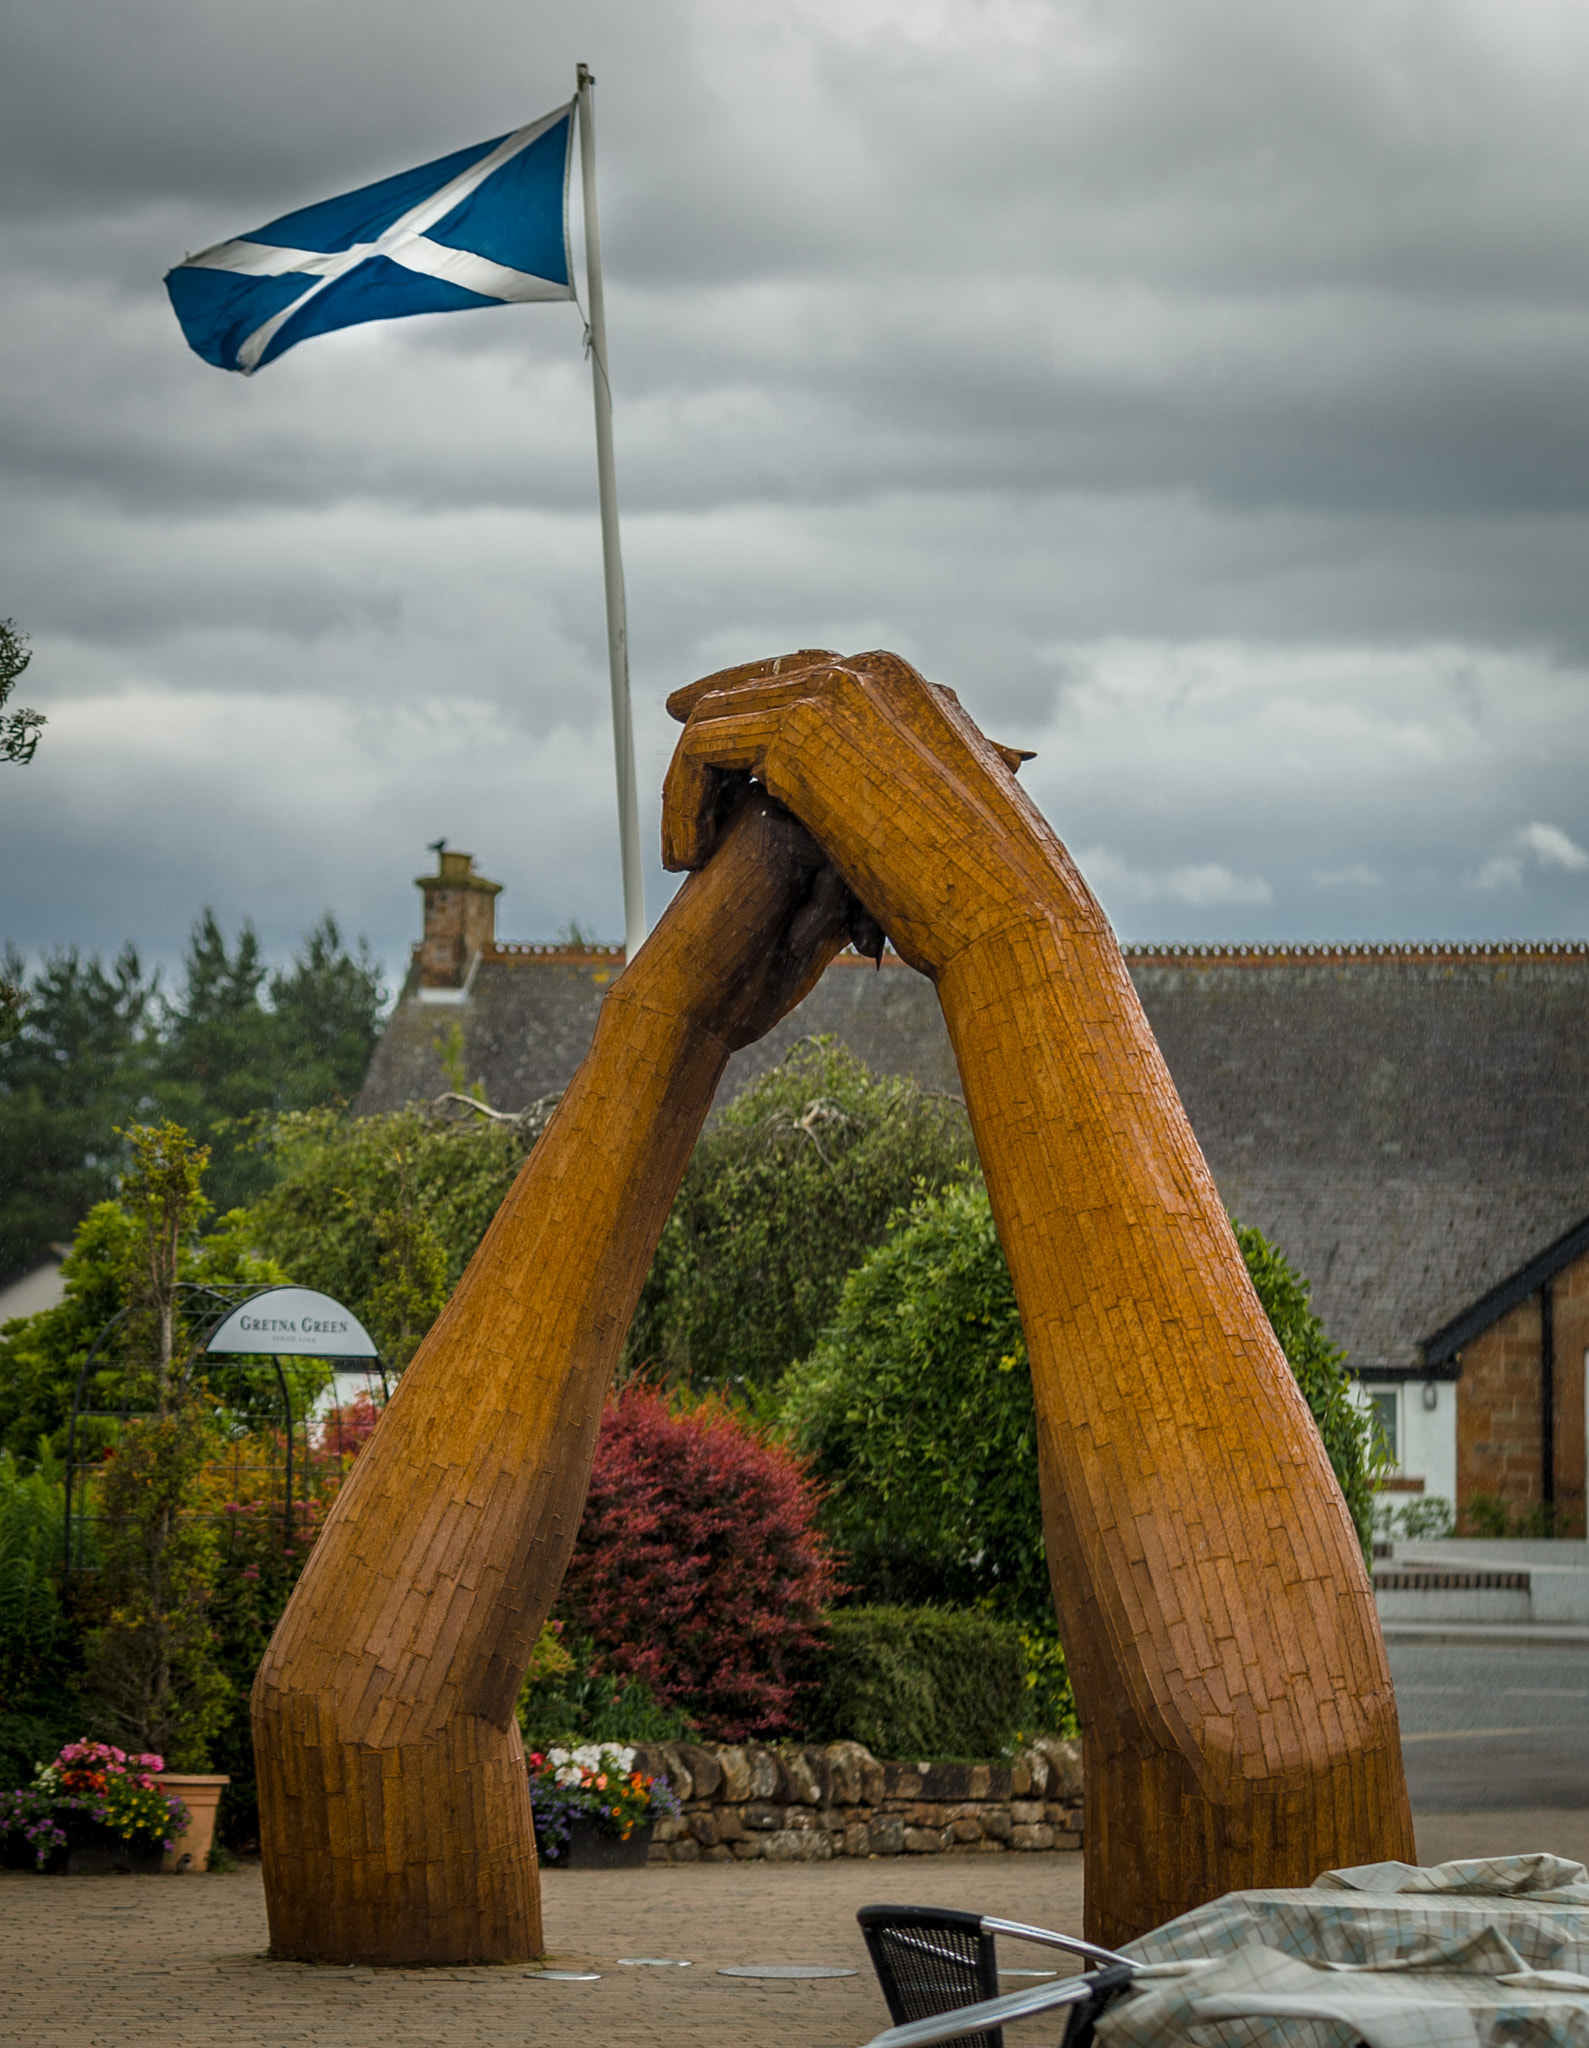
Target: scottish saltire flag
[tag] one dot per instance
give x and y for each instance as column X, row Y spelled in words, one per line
column 487, row 226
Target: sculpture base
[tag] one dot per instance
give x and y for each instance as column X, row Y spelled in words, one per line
column 418, row 1853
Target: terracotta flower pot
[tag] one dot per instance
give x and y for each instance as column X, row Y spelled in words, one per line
column 200, row 1792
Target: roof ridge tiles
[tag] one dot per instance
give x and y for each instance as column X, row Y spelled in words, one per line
column 1261, row 954
column 549, row 949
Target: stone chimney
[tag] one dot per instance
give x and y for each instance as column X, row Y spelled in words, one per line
column 460, row 919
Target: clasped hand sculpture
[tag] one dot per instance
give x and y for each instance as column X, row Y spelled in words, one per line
column 1240, row 1727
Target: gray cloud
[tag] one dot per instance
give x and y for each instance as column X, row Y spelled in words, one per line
column 1200, row 391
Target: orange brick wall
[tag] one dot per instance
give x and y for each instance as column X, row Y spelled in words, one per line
column 1572, row 1335
column 1498, row 1405
column 460, row 920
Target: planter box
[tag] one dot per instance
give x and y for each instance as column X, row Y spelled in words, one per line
column 590, row 1847
column 94, row 1851
column 89, row 1850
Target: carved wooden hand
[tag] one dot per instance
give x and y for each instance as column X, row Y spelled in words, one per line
column 1240, row 1727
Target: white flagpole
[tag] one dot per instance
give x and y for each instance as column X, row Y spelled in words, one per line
column 634, row 905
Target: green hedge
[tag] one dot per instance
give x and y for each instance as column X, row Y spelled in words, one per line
column 37, row 1711
column 942, row 1682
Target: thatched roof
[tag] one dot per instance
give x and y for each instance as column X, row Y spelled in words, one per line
column 1411, row 1124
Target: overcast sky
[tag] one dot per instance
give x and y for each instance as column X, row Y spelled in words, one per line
column 1201, row 389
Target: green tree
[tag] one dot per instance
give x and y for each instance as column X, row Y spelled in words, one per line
column 220, row 1054
column 384, row 1212
column 42, row 1356
column 19, row 738
column 13, row 1002
column 229, row 1059
column 82, row 1063
column 89, row 1048
column 37, row 1708
column 916, row 1407
column 150, row 1661
column 787, row 1190
column 327, row 1007
column 19, row 730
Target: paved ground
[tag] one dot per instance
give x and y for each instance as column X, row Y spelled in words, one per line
column 89, row 1961
column 98, row 1962
column 1497, row 1746
column 1486, row 1727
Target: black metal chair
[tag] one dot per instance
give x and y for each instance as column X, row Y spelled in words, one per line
column 932, row 1960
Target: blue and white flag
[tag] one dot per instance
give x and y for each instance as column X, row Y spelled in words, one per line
column 486, row 226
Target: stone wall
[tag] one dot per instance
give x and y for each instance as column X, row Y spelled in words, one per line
column 809, row 1805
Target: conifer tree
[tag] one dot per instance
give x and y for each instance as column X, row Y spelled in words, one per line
column 150, row 1660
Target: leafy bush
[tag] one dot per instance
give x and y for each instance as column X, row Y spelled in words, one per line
column 1320, row 1369
column 1050, row 1707
column 41, row 1355
column 938, row 1682
column 36, row 1707
column 916, row 1410
column 1424, row 1517
column 568, row 1698
column 384, row 1212
column 787, row 1189
column 1488, row 1516
column 699, row 1566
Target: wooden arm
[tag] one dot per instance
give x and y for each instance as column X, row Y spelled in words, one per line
column 1239, row 1723
column 394, row 1805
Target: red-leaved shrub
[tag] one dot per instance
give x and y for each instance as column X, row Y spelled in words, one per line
column 699, row 1566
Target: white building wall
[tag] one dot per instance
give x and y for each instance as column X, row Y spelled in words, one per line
column 43, row 1288
column 1429, row 1435
column 1426, row 1430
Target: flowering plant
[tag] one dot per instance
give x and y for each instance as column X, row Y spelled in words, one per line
column 595, row 1780
column 106, row 1786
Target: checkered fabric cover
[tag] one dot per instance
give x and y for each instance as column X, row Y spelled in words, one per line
column 1485, row 1954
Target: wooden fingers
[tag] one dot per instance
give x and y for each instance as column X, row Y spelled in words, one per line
column 683, row 701
column 729, row 733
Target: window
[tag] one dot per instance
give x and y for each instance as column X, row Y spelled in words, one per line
column 1384, row 1404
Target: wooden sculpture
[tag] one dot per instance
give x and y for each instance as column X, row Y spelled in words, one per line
column 1240, row 1724
column 1240, row 1727
column 394, row 1804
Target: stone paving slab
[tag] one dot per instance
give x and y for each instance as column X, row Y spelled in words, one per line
column 86, row 1961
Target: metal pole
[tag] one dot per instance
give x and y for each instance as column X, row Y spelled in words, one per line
column 1547, row 1397
column 634, row 905
column 286, row 1409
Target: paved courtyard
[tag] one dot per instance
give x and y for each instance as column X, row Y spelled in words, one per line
column 89, row 1961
